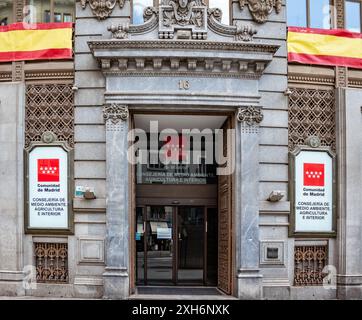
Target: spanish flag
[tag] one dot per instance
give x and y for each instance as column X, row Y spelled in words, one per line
column 325, row 47
column 40, row 41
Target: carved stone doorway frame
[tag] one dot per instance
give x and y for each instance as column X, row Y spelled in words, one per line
column 120, row 207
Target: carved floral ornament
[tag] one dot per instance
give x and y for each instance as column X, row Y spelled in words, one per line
column 115, row 112
column 261, row 9
column 250, row 116
column 102, row 8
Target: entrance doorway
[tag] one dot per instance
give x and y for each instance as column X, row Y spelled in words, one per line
column 176, row 245
column 182, row 224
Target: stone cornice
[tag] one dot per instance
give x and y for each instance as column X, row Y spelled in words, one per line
column 184, row 45
column 175, row 57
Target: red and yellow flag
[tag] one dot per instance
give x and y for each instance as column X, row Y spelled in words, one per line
column 325, row 47
column 19, row 41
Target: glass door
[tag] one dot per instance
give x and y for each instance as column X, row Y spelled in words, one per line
column 159, row 245
column 176, row 245
column 191, row 245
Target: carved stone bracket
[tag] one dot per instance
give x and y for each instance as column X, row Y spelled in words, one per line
column 239, row 31
column 102, row 8
column 115, row 113
column 251, row 116
column 123, row 30
column 261, row 9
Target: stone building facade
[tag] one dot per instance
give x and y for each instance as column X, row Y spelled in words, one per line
column 190, row 68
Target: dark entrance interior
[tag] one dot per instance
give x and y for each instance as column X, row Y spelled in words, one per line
column 176, row 245
column 178, row 238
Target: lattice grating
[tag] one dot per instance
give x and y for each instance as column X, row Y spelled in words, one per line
column 49, row 107
column 311, row 113
column 51, row 262
column 309, row 262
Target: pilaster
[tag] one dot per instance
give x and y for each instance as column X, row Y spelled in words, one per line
column 248, row 276
column 116, row 275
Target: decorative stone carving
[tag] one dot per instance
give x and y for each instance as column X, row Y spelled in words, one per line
column 19, row 7
column 261, row 9
column 183, row 13
column 102, row 8
column 341, row 77
column 115, row 113
column 49, row 137
column 188, row 17
column 250, row 116
column 244, row 32
column 275, row 196
column 313, row 141
column 183, row 19
column 240, row 31
column 119, row 31
column 340, row 14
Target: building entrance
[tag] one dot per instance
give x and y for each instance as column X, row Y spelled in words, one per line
column 179, row 203
column 176, row 245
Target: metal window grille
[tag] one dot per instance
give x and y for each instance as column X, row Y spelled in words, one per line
column 49, row 107
column 51, row 262
column 312, row 113
column 309, row 262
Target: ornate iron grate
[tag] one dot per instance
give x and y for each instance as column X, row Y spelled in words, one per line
column 51, row 262
column 49, row 107
column 312, row 113
column 309, row 262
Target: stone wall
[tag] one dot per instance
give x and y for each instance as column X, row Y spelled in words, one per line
column 11, row 182
column 90, row 150
column 273, row 152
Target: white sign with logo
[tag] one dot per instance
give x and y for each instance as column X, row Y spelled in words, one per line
column 48, row 188
column 313, row 192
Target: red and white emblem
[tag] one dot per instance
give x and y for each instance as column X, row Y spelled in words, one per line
column 176, row 148
column 314, row 174
column 48, row 170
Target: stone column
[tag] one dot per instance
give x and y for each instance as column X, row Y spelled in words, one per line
column 116, row 276
column 248, row 277
column 349, row 236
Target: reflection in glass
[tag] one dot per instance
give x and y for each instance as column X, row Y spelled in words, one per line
column 159, row 245
column 353, row 16
column 6, row 12
column 42, row 10
column 320, row 14
column 140, row 250
column 297, row 13
column 138, row 8
column 63, row 10
column 194, row 162
column 224, row 5
column 190, row 245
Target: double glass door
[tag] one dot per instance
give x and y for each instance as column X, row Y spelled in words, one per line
column 176, row 245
